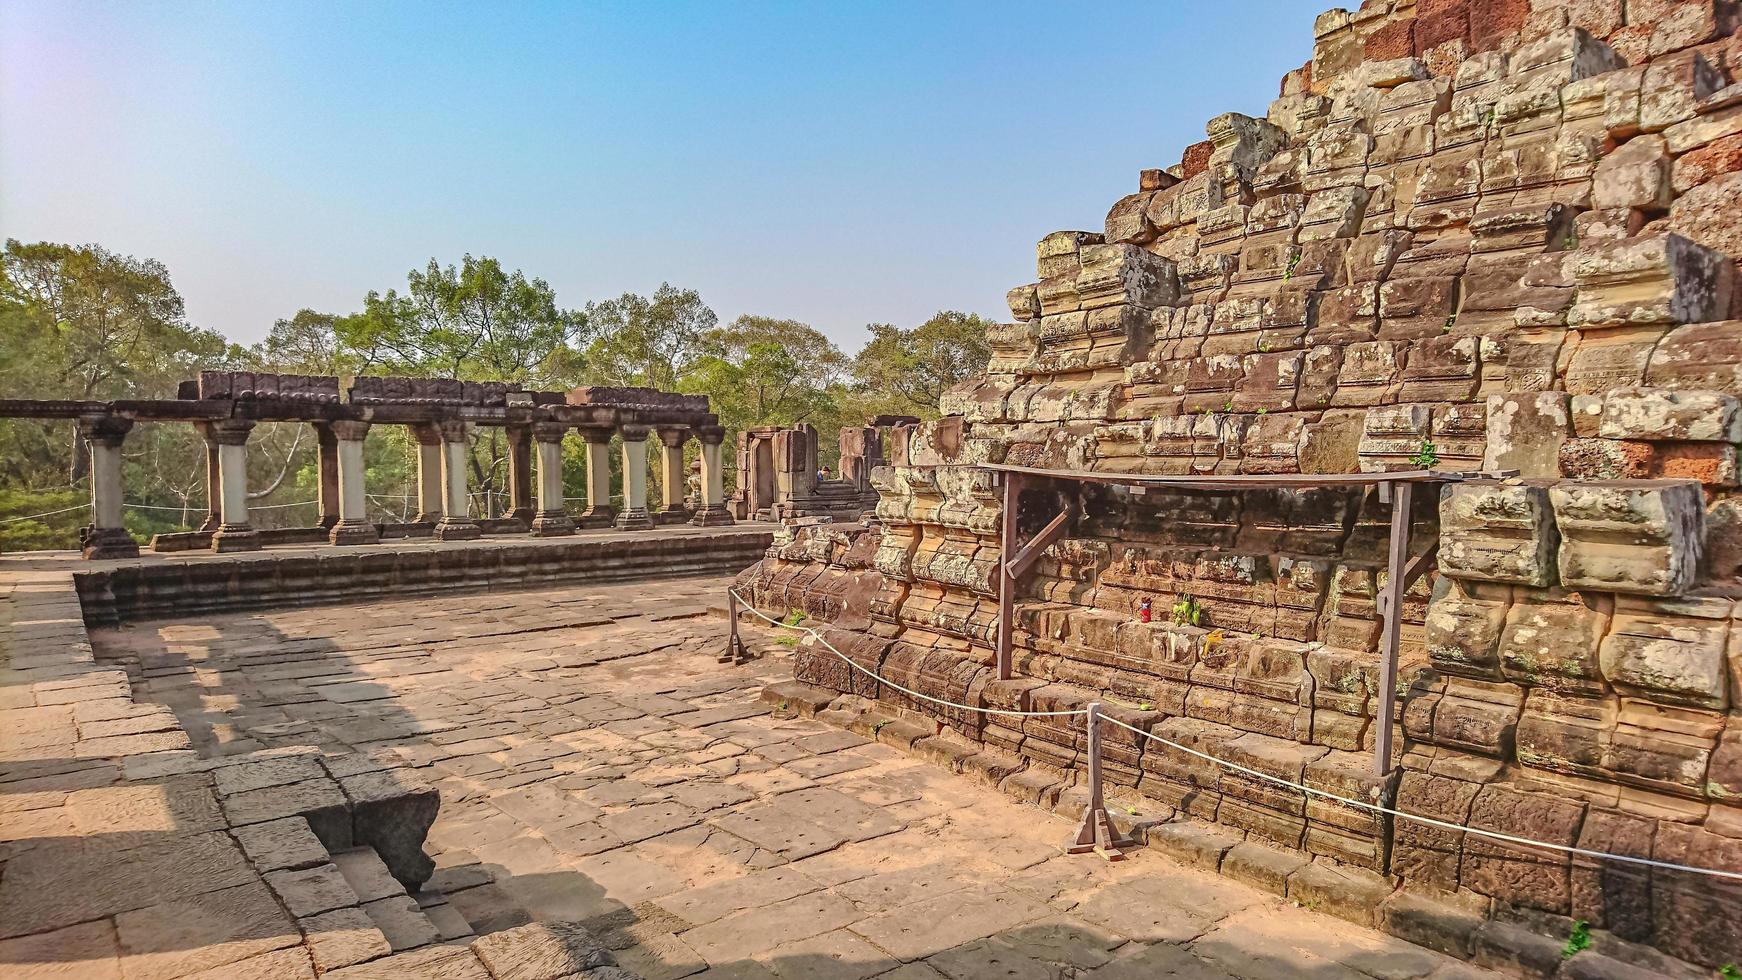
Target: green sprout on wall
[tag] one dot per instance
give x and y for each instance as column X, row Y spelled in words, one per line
column 1577, row 940
column 1425, row 458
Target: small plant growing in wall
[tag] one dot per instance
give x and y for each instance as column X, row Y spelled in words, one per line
column 1187, row 612
column 1729, row 972
column 793, row 618
column 1577, row 940
column 1425, row 458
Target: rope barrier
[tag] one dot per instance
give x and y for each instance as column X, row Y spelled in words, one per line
column 1430, row 821
column 889, row 683
column 52, row 513
column 1360, row 804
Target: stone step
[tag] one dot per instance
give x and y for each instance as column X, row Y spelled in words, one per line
column 401, row 919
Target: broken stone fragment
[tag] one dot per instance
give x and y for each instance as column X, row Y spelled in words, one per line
column 1640, row 537
column 1634, row 176
column 1497, row 533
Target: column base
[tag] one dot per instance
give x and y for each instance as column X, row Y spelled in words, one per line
column 347, row 534
column 553, row 525
column 596, row 517
column 634, row 520
column 712, row 517
column 671, row 515
column 211, row 523
column 229, row 538
column 110, row 542
column 328, row 521
column 420, row 528
column 525, row 515
column 462, row 530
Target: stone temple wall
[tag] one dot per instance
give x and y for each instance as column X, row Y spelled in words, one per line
column 1471, row 234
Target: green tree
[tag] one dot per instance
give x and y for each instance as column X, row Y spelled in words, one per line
column 759, row 370
column 474, row 322
column 907, row 371
column 647, row 341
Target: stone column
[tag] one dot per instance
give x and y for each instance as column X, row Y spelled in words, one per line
column 520, row 473
column 214, row 490
column 353, row 526
column 713, row 512
column 456, row 523
column 634, row 516
column 599, row 512
column 234, row 533
column 429, row 479
column 108, row 537
column 552, row 519
column 671, row 477
column 327, row 460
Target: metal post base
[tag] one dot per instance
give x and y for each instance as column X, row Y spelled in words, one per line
column 735, row 652
column 1096, row 833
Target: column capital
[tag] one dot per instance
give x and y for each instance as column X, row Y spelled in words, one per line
column 595, row 435
column 635, row 431
column 452, row 430
column 107, row 430
column 231, row 432
column 711, row 435
column 426, row 433
column 674, row 438
column 349, row 430
column 549, row 431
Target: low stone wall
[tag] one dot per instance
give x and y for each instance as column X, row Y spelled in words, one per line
column 181, row 588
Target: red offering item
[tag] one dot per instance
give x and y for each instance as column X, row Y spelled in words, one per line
column 1143, row 611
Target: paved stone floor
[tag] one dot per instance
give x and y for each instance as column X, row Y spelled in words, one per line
column 597, row 764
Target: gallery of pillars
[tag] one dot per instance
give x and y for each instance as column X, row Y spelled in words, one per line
column 442, row 418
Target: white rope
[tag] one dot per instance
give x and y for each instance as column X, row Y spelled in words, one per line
column 1430, row 821
column 200, row 508
column 52, row 513
column 889, row 683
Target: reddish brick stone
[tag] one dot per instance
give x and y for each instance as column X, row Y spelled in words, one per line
column 1715, row 159
column 1433, row 31
column 1394, row 40
column 1711, row 463
column 1196, row 160
column 1493, row 21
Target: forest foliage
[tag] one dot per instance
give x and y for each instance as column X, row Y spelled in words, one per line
column 82, row 322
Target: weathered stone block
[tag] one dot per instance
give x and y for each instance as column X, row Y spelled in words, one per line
column 1641, row 537
column 1653, row 279
column 1525, row 432
column 1669, row 651
column 1497, row 533
column 1670, row 414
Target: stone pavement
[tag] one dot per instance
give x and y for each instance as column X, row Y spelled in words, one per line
column 596, row 765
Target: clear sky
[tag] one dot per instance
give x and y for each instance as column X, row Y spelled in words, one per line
column 838, row 163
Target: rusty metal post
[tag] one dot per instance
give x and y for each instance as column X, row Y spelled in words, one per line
column 734, row 644
column 1096, row 832
column 1007, row 578
column 1391, row 609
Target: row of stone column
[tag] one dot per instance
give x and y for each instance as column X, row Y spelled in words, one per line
column 444, row 504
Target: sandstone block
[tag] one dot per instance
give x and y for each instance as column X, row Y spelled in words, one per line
column 1640, row 537
column 1497, row 533
column 1634, row 176
column 1653, row 279
column 1671, row 415
column 1669, row 651
column 1525, row 432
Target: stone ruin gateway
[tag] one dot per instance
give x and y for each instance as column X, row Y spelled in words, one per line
column 1492, row 239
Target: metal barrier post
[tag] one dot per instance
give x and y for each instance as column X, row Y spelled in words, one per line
column 734, row 645
column 1096, row 832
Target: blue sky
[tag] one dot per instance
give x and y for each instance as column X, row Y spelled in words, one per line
column 830, row 162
